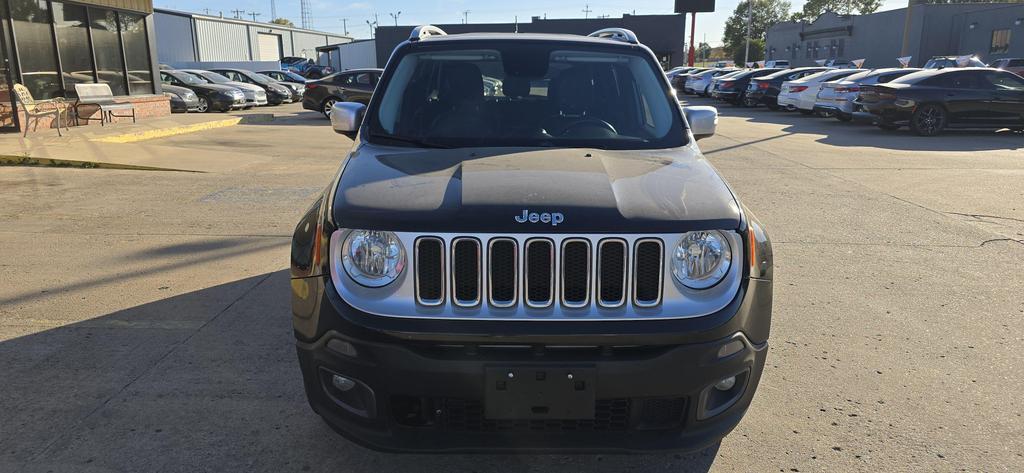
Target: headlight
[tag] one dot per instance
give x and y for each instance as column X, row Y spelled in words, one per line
column 701, row 259
column 373, row 258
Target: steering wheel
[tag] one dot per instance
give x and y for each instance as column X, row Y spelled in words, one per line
column 591, row 122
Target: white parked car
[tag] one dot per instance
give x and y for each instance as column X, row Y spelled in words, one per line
column 700, row 84
column 254, row 94
column 802, row 93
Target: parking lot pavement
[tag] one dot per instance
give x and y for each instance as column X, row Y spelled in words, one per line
column 144, row 316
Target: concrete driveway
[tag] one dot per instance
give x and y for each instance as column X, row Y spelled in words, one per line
column 144, row 315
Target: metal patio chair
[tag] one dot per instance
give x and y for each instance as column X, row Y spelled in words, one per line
column 36, row 109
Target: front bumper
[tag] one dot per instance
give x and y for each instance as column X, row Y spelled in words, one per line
column 427, row 380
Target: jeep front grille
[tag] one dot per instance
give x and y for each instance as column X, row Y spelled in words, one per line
column 565, row 274
column 537, row 277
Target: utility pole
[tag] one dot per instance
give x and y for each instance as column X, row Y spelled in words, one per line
column 238, row 14
column 254, row 15
column 206, row 10
column 517, row 24
column 750, row 12
column 586, row 11
column 905, row 50
column 465, row 16
column 273, row 10
column 395, row 16
column 307, row 14
column 344, row 26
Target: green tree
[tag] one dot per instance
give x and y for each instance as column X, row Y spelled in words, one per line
column 283, row 21
column 764, row 15
column 703, row 50
column 815, row 8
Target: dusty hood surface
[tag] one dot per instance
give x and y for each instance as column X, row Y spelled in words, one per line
column 486, row 189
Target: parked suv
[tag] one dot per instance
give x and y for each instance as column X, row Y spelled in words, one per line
column 552, row 267
column 355, row 85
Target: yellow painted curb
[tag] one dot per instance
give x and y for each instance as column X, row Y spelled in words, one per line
column 164, row 132
column 10, row 160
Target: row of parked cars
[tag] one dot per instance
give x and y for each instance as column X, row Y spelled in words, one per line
column 221, row 90
column 927, row 100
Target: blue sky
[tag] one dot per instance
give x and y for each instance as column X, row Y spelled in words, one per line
column 327, row 14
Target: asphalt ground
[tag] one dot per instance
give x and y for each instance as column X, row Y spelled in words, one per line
column 145, row 322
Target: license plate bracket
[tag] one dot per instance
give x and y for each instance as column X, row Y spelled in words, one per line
column 527, row 392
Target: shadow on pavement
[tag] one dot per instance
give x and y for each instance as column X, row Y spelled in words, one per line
column 206, row 381
column 839, row 133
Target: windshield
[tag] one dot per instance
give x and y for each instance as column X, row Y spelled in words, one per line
column 189, row 78
column 215, row 78
column 549, row 95
column 263, row 79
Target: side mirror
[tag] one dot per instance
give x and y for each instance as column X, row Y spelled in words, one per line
column 346, row 117
column 703, row 120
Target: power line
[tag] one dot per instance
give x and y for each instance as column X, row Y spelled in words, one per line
column 238, row 14
column 465, row 16
column 254, row 15
column 586, row 11
column 395, row 16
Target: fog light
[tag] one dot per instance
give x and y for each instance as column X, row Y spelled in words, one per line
column 730, row 348
column 723, row 385
column 344, row 384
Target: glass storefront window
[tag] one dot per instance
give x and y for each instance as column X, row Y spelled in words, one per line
column 107, row 46
column 73, row 44
column 35, row 47
column 136, row 51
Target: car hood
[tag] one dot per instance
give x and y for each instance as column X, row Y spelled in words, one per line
column 485, row 189
column 213, row 87
column 245, row 87
column 177, row 90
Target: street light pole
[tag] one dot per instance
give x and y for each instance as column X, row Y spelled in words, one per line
column 750, row 12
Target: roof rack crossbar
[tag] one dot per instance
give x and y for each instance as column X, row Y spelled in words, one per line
column 617, row 34
column 425, row 31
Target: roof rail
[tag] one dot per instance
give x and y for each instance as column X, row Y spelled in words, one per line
column 425, row 31
column 617, row 34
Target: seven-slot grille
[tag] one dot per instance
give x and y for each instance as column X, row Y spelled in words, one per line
column 504, row 272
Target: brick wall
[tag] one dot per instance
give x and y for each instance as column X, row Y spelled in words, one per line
column 146, row 106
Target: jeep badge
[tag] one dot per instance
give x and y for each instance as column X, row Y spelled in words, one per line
column 533, row 217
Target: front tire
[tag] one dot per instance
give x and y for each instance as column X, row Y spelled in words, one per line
column 204, row 105
column 928, row 120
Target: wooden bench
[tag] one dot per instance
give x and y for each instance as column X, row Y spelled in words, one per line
column 100, row 96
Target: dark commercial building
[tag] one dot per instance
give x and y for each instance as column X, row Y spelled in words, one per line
column 49, row 46
column 664, row 34
column 989, row 30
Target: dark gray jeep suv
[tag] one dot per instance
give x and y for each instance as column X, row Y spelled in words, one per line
column 551, row 266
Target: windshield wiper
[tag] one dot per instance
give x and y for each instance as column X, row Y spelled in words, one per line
column 419, row 143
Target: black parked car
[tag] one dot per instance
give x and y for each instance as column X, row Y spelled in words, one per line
column 930, row 101
column 211, row 97
column 556, row 267
column 765, row 90
column 182, row 99
column 276, row 93
column 285, row 76
column 355, row 85
column 733, row 89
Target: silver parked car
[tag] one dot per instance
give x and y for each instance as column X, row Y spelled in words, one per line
column 836, row 98
column 254, row 95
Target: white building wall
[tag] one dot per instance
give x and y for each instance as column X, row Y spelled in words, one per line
column 222, row 41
